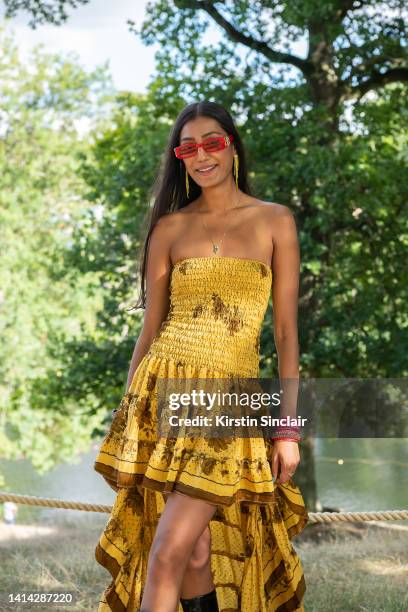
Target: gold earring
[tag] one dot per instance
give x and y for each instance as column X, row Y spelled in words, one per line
column 236, row 165
column 187, row 185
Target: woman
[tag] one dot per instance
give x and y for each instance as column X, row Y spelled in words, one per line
column 202, row 523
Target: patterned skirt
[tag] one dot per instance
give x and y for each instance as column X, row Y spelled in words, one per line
column 254, row 564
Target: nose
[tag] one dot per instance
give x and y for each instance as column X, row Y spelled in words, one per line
column 201, row 154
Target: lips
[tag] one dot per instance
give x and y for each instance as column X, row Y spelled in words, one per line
column 206, row 170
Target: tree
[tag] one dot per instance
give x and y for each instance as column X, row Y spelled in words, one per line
column 43, row 104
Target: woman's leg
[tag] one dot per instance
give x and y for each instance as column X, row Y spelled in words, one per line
column 183, row 521
column 197, row 579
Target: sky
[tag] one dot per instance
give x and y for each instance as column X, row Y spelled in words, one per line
column 98, row 33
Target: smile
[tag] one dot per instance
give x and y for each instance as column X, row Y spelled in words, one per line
column 207, row 170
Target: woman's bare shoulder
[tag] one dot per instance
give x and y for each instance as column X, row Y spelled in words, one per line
column 274, row 209
column 272, row 214
column 174, row 217
column 166, row 224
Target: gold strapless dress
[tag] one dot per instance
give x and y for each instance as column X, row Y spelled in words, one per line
column 212, row 330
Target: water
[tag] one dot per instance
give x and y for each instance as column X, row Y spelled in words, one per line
column 353, row 474
column 77, row 482
column 363, row 473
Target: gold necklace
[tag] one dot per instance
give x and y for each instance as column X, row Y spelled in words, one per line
column 216, row 247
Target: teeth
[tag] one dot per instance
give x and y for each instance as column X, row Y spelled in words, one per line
column 205, row 169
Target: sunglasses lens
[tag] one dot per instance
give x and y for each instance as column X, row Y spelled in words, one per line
column 186, row 150
column 213, row 144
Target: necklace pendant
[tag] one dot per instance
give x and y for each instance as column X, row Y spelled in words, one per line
column 216, row 248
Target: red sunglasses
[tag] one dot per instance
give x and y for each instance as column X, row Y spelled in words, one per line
column 214, row 143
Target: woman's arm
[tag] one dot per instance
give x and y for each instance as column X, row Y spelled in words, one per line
column 285, row 290
column 158, row 270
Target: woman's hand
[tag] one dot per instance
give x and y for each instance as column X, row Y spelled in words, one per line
column 286, row 457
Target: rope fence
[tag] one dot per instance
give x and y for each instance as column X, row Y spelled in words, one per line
column 314, row 517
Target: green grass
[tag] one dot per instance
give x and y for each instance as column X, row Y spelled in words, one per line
column 347, row 569
column 362, row 569
column 62, row 561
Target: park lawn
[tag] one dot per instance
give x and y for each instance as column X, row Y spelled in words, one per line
column 358, row 568
column 355, row 567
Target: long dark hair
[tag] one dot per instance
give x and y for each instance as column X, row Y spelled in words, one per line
column 169, row 191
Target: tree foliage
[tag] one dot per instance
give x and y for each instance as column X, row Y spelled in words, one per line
column 43, row 103
column 42, row 11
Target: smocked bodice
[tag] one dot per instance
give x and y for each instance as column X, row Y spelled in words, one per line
column 217, row 306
